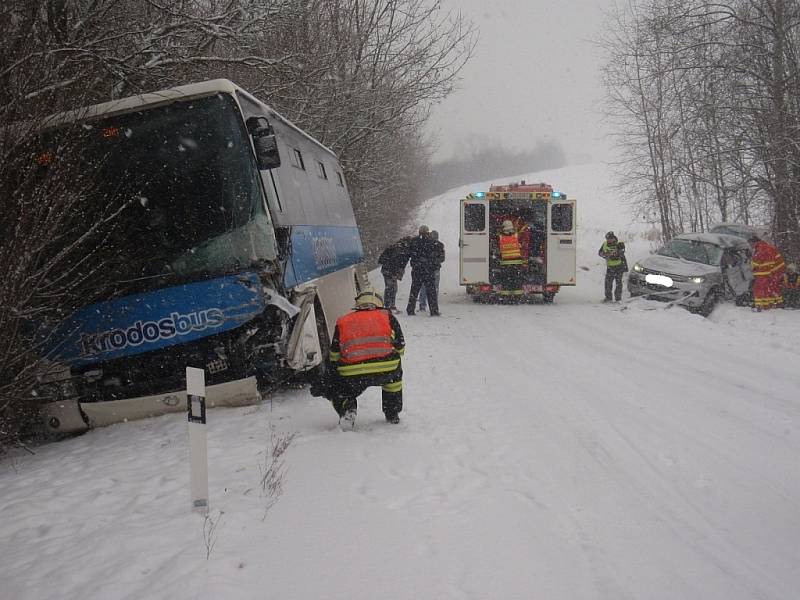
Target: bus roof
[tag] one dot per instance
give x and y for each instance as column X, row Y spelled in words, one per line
column 174, row 94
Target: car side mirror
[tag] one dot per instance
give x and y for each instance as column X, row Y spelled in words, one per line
column 264, row 143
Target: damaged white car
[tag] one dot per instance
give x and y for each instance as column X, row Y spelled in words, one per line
column 695, row 270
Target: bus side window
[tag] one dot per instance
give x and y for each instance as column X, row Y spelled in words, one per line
column 297, row 159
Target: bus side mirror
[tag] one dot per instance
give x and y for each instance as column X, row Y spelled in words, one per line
column 264, row 142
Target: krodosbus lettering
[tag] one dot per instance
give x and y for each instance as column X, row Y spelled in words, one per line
column 325, row 252
column 150, row 331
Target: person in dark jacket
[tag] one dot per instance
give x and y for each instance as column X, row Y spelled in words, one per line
column 424, row 298
column 393, row 261
column 791, row 287
column 616, row 265
column 424, row 264
column 365, row 350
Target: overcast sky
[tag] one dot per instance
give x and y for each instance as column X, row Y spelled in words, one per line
column 534, row 75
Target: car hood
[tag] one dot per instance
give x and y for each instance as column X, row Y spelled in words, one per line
column 677, row 266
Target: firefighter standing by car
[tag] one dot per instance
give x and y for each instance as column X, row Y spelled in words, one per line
column 791, row 287
column 365, row 350
column 616, row 265
column 768, row 270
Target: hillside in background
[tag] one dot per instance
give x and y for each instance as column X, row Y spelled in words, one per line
column 490, row 158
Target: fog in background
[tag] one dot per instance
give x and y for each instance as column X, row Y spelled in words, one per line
column 532, row 87
column 489, row 159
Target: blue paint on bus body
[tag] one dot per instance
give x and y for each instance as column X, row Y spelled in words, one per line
column 158, row 319
column 182, row 314
column 317, row 250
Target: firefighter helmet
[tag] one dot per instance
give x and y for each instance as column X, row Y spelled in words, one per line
column 508, row 227
column 369, row 298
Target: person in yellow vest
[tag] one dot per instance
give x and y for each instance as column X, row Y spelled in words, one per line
column 511, row 259
column 791, row 287
column 510, row 246
column 365, row 351
column 613, row 251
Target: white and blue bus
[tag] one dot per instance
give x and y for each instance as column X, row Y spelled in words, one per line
column 236, row 253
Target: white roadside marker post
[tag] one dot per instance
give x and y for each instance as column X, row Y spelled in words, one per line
column 198, row 447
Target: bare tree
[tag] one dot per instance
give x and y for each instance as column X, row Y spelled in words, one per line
column 49, row 261
column 360, row 75
column 723, row 78
column 103, row 49
column 365, row 76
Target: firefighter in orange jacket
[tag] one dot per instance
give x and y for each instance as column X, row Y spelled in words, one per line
column 510, row 246
column 768, row 268
column 365, row 351
column 513, row 259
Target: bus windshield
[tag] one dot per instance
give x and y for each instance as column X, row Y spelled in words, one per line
column 186, row 176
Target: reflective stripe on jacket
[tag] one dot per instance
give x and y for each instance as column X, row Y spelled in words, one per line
column 767, row 260
column 510, row 250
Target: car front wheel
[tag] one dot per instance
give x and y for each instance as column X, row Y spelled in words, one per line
column 709, row 303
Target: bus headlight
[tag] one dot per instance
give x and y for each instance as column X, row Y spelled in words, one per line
column 638, row 268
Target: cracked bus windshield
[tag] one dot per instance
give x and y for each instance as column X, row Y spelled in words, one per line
column 190, row 186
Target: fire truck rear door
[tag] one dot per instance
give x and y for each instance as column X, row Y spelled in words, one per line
column 474, row 241
column 561, row 241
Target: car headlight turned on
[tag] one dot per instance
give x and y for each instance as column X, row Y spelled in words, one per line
column 698, row 279
column 638, row 268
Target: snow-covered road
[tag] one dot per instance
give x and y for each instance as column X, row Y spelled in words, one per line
column 567, row 451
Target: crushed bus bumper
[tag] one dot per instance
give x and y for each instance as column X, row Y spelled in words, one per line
column 73, row 416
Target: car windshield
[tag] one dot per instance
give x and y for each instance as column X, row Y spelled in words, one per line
column 692, row 251
column 189, row 185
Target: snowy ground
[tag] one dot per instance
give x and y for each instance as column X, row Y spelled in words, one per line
column 564, row 452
